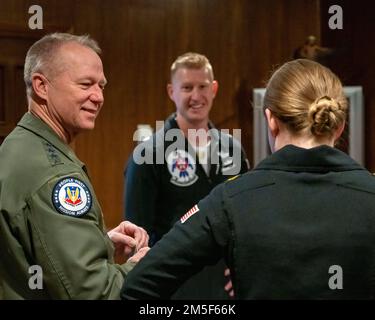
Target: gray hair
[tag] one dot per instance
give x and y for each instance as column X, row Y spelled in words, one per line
column 42, row 54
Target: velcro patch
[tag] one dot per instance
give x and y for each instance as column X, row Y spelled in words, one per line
column 188, row 214
column 71, row 196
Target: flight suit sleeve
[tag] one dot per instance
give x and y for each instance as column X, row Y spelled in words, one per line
column 74, row 252
column 141, row 192
column 199, row 238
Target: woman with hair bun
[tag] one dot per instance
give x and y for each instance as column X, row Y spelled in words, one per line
column 304, row 102
column 300, row 225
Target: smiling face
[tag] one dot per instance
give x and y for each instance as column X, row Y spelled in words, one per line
column 75, row 93
column 193, row 91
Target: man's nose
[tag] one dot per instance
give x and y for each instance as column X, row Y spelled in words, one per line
column 97, row 94
column 195, row 94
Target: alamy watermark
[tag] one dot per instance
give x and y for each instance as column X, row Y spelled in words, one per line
column 36, row 280
column 336, row 280
column 36, row 20
column 336, row 21
column 224, row 149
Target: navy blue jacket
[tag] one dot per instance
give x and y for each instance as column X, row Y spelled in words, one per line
column 158, row 194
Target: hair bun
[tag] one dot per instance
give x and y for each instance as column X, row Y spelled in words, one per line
column 325, row 115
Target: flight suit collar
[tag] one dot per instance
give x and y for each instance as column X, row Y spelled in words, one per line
column 319, row 159
column 171, row 123
column 40, row 128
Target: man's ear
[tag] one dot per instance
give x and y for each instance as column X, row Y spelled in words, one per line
column 170, row 91
column 40, row 85
column 273, row 124
column 215, row 87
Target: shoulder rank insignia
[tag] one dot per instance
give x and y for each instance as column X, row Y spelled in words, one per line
column 71, row 196
column 233, row 178
column 52, row 155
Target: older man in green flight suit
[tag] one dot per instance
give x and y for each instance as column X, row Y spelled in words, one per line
column 53, row 241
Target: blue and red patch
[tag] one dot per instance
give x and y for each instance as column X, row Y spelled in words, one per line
column 71, row 196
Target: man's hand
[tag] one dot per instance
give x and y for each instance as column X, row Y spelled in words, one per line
column 128, row 238
column 139, row 255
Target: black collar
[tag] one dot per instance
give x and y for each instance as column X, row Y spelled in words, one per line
column 171, row 123
column 318, row 159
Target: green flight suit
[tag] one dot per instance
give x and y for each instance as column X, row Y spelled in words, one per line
column 71, row 247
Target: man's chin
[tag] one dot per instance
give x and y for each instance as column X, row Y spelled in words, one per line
column 88, row 126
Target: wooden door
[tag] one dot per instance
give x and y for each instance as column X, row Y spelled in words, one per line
column 14, row 45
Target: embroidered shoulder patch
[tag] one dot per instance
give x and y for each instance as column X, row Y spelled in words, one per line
column 188, row 214
column 71, row 196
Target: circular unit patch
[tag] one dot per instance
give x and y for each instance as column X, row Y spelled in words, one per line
column 182, row 167
column 71, row 197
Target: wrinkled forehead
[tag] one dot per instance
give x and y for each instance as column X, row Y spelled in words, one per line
column 76, row 57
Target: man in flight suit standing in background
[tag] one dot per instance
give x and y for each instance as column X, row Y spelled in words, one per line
column 50, row 219
column 158, row 194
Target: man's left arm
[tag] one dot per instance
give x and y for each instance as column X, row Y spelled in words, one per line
column 70, row 244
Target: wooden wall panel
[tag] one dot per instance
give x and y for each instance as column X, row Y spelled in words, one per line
column 2, row 97
column 132, row 36
column 55, row 12
column 141, row 38
column 354, row 61
column 15, row 39
column 14, row 45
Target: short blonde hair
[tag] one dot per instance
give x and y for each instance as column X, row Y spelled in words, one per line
column 305, row 95
column 192, row 60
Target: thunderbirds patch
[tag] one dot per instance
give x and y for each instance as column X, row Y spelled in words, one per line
column 182, row 167
column 71, row 197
